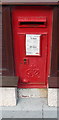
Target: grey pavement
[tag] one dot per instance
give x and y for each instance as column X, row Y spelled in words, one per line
column 29, row 108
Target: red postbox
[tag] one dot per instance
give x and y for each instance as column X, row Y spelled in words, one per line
column 32, row 36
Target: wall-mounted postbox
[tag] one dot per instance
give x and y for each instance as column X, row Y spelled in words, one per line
column 32, row 35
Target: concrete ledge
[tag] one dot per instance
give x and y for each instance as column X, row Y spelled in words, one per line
column 33, row 93
column 30, row 108
column 53, row 97
column 8, row 96
column 49, row 112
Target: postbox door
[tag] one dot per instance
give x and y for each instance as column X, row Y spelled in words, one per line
column 31, row 68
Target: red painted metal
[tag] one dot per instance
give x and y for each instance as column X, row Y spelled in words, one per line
column 32, row 70
column 28, row 21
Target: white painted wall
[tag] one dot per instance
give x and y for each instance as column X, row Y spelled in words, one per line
column 8, row 96
column 53, row 97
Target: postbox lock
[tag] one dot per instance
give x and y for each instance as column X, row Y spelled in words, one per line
column 26, row 61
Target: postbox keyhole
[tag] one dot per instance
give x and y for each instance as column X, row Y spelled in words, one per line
column 26, row 61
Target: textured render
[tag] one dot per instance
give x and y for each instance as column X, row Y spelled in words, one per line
column 53, row 97
column 8, row 96
column 33, row 92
